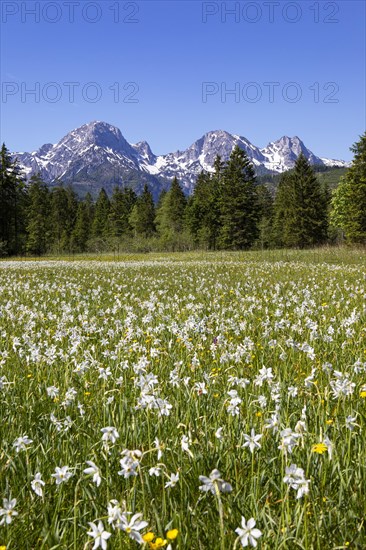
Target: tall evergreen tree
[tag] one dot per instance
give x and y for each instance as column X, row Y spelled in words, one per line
column 122, row 203
column 64, row 206
column 142, row 218
column 202, row 213
column 301, row 207
column 171, row 214
column 265, row 215
column 284, row 216
column 238, row 202
column 101, row 225
column 81, row 231
column 12, row 204
column 38, row 219
column 349, row 199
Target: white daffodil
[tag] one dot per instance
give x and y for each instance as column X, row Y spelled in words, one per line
column 7, row 512
column 132, row 526
column 110, row 434
column 94, row 471
column 99, row 535
column 252, row 440
column 173, row 480
column 37, row 484
column 214, row 481
column 61, row 475
column 295, row 478
column 248, row 533
column 21, row 443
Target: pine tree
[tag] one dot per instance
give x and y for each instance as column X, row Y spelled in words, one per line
column 12, row 204
column 64, row 208
column 81, row 232
column 284, row 217
column 101, row 226
column 349, row 199
column 142, row 217
column 265, row 215
column 38, row 226
column 122, row 203
column 202, row 213
column 170, row 218
column 301, row 207
column 238, row 203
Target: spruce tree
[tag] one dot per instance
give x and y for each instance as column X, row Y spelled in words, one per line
column 142, row 217
column 122, row 203
column 284, row 216
column 12, row 204
column 310, row 206
column 101, row 225
column 64, row 208
column 238, row 203
column 170, row 218
column 301, row 207
column 81, row 232
column 202, row 214
column 349, row 199
column 38, row 220
column 265, row 214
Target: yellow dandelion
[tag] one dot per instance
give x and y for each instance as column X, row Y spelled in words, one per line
column 148, row 537
column 319, row 448
column 172, row 534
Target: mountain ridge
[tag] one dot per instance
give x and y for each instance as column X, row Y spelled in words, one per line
column 97, row 154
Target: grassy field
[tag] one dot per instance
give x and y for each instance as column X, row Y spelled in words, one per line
column 126, row 386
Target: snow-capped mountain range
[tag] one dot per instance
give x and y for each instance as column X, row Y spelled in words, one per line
column 97, row 155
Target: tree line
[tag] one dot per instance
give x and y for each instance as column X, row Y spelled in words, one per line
column 228, row 210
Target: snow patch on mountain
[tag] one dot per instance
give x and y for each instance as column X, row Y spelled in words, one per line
column 98, row 151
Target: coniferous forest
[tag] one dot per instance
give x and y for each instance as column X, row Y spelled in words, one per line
column 228, row 210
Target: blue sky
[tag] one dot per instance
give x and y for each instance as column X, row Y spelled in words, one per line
column 178, row 61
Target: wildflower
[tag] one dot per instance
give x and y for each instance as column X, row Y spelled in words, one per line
column 8, row 511
column 61, row 475
column 319, row 448
column 172, row 534
column 264, row 374
column 289, row 440
column 99, row 535
column 329, row 445
column 218, row 434
column 20, row 444
column 155, row 471
column 94, row 471
column 104, row 373
column 159, row 447
column 114, row 511
column 248, row 533
column 109, row 434
column 173, row 480
column 214, row 480
column 273, row 422
column 185, row 442
column 295, row 478
column 252, row 440
column 292, row 391
column 148, row 537
column 130, row 463
column 200, row 388
column 52, row 391
column 132, row 526
column 350, row 422
column 37, row 484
